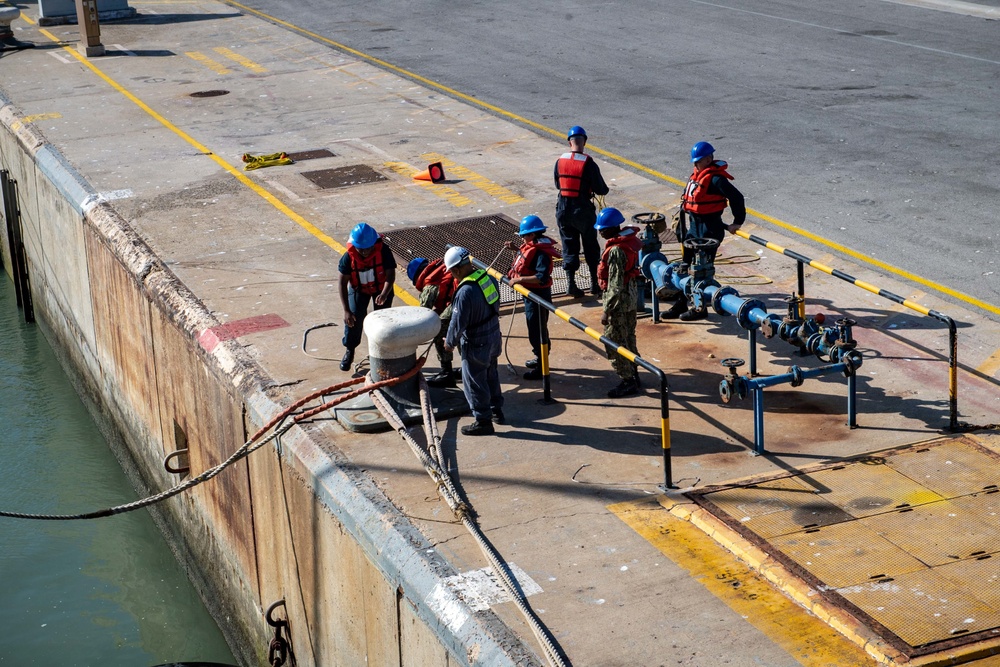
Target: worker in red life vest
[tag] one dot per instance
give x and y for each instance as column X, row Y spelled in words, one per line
column 578, row 179
column 532, row 269
column 437, row 288
column 367, row 273
column 705, row 197
column 618, row 275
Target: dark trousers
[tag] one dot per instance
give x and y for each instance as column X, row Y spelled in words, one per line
column 703, row 227
column 481, row 380
column 538, row 320
column 576, row 230
column 358, row 302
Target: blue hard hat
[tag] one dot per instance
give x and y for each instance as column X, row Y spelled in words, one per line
column 576, row 131
column 363, row 236
column 414, row 268
column 530, row 224
column 609, row 217
column 700, row 150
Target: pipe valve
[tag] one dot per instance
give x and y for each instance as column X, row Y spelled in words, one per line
column 732, row 385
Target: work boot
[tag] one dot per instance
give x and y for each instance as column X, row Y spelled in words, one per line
column 533, row 374
column 498, row 417
column 444, row 379
column 479, row 427
column 595, row 287
column 532, row 363
column 625, row 388
column 571, row 287
column 692, row 315
column 679, row 308
column 345, row 363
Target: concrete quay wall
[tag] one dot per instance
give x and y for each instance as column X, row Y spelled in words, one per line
column 361, row 585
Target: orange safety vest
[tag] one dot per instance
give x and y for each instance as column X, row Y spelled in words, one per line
column 436, row 274
column 697, row 199
column 527, row 255
column 570, row 169
column 631, row 244
column 367, row 273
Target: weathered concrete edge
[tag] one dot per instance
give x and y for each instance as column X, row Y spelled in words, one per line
column 386, row 536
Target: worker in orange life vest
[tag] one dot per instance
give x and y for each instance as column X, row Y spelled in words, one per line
column 367, row 273
column 532, row 269
column 578, row 179
column 705, row 198
column 437, row 288
column 618, row 275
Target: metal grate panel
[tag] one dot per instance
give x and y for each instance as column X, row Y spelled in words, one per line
column 314, row 154
column 343, row 177
column 923, row 607
column 870, row 487
column 953, row 469
column 484, row 236
column 846, row 554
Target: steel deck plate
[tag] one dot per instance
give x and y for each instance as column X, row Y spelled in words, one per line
column 846, row 554
column 342, row 177
column 923, row 607
column 778, row 507
column 938, row 533
column 484, row 237
column 870, row 487
column 908, row 541
column 952, row 468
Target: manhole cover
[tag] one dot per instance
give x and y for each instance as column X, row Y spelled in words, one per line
column 314, row 154
column 343, row 177
column 484, row 236
column 908, row 543
column 209, row 93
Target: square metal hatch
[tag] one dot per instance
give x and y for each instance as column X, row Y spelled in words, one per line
column 343, row 177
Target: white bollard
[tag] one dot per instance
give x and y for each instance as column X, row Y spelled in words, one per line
column 393, row 337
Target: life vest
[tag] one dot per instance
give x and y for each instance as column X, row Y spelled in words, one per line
column 435, row 273
column 527, row 257
column 482, row 279
column 628, row 241
column 570, row 169
column 367, row 273
column 697, row 199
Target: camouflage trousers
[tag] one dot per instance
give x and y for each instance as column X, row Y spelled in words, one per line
column 443, row 355
column 621, row 329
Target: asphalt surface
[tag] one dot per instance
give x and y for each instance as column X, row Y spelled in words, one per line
column 871, row 124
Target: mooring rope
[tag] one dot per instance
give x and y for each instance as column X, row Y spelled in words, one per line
column 245, row 450
column 464, row 512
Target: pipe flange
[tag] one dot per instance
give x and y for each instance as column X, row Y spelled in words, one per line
column 725, row 391
column 646, row 261
column 718, row 296
column 770, row 326
column 743, row 313
column 797, row 378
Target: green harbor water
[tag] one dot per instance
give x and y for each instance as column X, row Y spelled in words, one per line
column 104, row 592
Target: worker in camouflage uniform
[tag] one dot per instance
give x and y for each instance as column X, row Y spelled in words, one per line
column 617, row 274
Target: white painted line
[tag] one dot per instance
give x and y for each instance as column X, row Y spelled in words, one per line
column 119, row 47
column 60, row 57
column 93, row 200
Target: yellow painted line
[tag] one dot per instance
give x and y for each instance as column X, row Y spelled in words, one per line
column 454, row 197
column 41, row 116
column 242, row 60
column 614, row 156
column 216, row 67
column 991, row 365
column 478, row 180
column 234, row 171
column 803, row 636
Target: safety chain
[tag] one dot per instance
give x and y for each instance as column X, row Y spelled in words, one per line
column 277, row 652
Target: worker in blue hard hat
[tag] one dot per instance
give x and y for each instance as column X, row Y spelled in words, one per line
column 475, row 330
column 437, row 288
column 532, row 269
column 705, row 197
column 578, row 179
column 367, row 273
column 618, row 274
